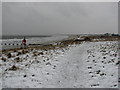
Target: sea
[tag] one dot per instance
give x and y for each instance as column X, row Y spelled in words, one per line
column 15, row 41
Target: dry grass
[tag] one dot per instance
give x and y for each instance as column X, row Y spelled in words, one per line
column 65, row 43
column 13, row 68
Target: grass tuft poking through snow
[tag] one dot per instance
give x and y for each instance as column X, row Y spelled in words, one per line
column 85, row 65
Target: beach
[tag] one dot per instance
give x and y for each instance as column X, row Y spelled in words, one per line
column 75, row 62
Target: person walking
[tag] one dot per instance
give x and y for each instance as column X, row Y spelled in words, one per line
column 24, row 42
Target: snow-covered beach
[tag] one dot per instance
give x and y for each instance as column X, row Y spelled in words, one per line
column 78, row 65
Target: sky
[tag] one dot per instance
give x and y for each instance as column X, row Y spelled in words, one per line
column 46, row 18
column 0, row 19
column 60, row 0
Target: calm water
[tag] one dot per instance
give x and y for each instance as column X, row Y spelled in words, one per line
column 9, row 42
column 21, row 36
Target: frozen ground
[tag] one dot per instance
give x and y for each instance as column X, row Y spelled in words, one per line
column 87, row 65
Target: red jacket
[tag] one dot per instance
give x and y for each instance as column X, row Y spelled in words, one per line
column 24, row 42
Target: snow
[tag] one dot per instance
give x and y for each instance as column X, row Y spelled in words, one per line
column 87, row 65
column 0, row 78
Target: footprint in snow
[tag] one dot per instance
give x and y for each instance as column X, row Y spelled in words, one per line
column 114, row 85
column 90, row 72
column 48, row 63
column 47, row 73
column 94, row 85
column 89, row 67
column 104, row 57
column 25, row 76
column 33, row 75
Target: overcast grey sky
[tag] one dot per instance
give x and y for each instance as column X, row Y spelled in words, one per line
column 0, row 18
column 59, row 18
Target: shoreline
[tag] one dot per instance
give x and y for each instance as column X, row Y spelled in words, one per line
column 74, row 39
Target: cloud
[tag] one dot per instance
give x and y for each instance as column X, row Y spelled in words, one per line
column 65, row 18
